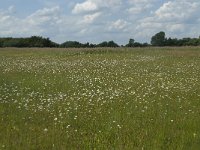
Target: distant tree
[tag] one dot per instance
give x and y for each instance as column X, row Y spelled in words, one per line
column 33, row 41
column 193, row 42
column 38, row 41
column 182, row 42
column 86, row 45
column 158, row 39
column 71, row 44
column 112, row 44
column 1, row 43
column 145, row 44
column 92, row 45
column 169, row 42
column 130, row 43
column 103, row 44
column 137, row 44
column 107, row 44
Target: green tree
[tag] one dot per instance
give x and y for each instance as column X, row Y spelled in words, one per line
column 71, row 44
column 130, row 43
column 108, row 44
column 112, row 44
column 158, row 39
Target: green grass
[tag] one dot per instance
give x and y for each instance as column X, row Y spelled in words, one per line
column 100, row 99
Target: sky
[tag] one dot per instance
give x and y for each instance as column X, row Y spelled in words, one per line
column 95, row 21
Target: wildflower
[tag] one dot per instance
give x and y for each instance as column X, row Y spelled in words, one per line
column 119, row 126
column 45, row 130
column 194, row 134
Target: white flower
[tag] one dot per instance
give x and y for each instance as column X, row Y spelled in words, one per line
column 194, row 134
column 45, row 130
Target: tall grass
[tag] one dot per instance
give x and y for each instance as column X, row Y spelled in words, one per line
column 100, row 98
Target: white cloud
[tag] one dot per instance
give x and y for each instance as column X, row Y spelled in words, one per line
column 177, row 18
column 177, row 10
column 8, row 23
column 36, row 23
column 86, row 6
column 118, row 25
column 135, row 2
column 4, row 18
column 176, row 27
column 90, row 18
column 43, row 16
column 139, row 8
column 93, row 5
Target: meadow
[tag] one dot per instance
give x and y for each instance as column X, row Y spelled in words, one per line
column 123, row 98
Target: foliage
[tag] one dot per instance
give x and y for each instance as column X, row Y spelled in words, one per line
column 75, row 44
column 158, row 39
column 130, row 43
column 34, row 41
column 107, row 44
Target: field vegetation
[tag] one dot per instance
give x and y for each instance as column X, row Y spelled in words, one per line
column 102, row 98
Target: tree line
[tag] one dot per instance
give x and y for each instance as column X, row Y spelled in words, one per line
column 34, row 41
column 158, row 39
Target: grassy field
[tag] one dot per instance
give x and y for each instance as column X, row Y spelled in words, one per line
column 142, row 99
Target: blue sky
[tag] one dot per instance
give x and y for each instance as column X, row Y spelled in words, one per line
column 99, row 20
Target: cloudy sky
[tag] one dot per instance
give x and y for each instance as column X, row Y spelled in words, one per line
column 99, row 20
